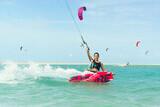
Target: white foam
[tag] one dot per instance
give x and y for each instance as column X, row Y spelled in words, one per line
column 14, row 73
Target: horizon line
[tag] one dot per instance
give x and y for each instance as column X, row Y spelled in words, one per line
column 69, row 63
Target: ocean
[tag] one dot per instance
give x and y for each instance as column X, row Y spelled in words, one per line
column 46, row 85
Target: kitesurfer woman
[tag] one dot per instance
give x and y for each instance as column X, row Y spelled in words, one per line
column 96, row 65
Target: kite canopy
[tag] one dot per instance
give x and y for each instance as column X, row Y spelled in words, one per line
column 107, row 49
column 21, row 48
column 146, row 53
column 138, row 43
column 80, row 12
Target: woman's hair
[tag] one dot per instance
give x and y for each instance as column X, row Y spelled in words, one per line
column 96, row 53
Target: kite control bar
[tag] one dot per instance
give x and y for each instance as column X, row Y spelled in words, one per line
column 84, row 42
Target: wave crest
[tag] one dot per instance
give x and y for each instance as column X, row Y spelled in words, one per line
column 12, row 72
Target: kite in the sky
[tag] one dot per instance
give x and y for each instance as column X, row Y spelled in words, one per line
column 21, row 48
column 107, row 49
column 138, row 43
column 146, row 53
column 80, row 12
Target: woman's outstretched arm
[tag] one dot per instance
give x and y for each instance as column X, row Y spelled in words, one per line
column 102, row 67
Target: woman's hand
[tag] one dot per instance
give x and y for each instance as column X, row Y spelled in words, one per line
column 88, row 53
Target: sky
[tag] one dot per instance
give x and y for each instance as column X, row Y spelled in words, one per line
column 47, row 32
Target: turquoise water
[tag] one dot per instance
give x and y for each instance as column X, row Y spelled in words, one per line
column 33, row 85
